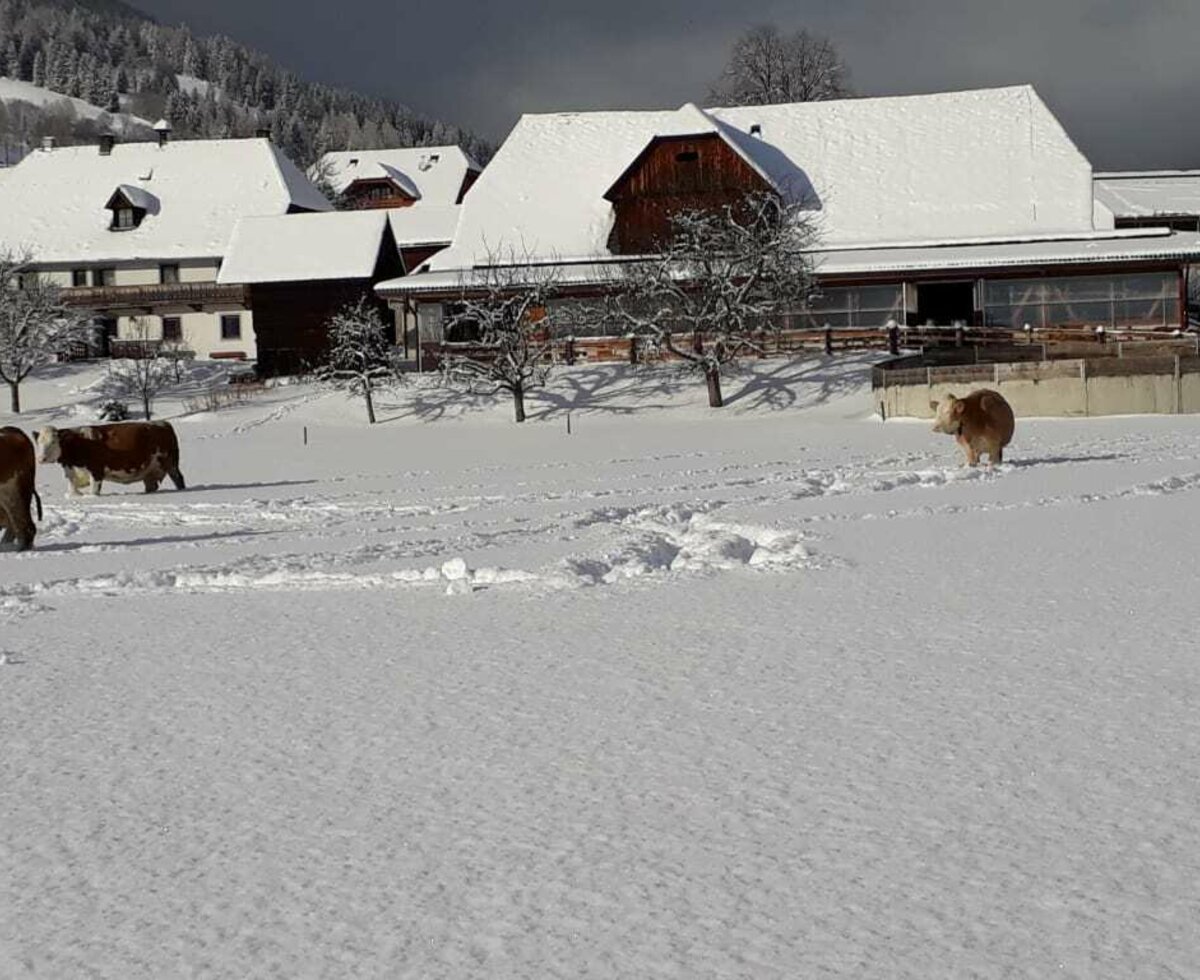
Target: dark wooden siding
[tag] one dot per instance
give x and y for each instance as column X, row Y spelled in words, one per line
column 290, row 317
column 676, row 174
column 365, row 195
column 468, row 181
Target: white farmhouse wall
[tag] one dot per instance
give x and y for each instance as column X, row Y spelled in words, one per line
column 201, row 332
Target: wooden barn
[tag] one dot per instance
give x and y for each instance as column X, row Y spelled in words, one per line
column 960, row 209
column 299, row 270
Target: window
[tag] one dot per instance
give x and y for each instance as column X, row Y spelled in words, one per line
column 231, row 326
column 1146, row 300
column 79, row 277
column 172, row 329
column 854, row 306
column 687, row 156
column 124, row 219
column 104, row 277
column 168, row 274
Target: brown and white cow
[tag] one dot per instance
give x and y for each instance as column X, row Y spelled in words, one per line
column 124, row 452
column 17, row 474
column 981, row 423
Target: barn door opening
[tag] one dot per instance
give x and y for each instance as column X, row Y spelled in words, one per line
column 945, row 304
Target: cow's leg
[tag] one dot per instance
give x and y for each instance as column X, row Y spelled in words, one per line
column 176, row 476
column 151, row 483
column 18, row 530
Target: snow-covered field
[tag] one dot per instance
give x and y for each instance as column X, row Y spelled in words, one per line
column 777, row 691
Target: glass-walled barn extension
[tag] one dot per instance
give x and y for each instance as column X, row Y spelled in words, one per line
column 1122, row 302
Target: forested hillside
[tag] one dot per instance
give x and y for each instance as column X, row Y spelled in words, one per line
column 114, row 57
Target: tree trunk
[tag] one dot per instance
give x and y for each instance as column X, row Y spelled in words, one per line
column 146, row 406
column 370, row 406
column 518, row 393
column 712, row 375
column 14, row 391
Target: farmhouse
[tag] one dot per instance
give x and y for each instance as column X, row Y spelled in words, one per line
column 972, row 208
column 400, row 178
column 136, row 232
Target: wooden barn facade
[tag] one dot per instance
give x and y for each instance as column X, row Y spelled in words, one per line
column 298, row 271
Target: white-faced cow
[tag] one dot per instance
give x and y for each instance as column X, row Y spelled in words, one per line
column 17, row 474
column 981, row 423
column 124, row 452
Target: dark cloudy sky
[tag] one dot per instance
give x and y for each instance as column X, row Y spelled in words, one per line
column 1122, row 75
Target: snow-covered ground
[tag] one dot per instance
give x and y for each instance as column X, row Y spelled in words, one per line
column 775, row 691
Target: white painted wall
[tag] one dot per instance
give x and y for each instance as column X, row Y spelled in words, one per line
column 201, row 331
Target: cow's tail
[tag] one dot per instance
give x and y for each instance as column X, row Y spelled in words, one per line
column 37, row 497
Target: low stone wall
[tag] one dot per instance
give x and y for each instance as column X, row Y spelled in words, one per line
column 1083, row 387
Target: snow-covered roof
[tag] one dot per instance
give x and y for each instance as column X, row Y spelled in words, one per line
column 304, row 247
column 913, row 168
column 435, row 173
column 1084, row 249
column 53, row 202
column 428, row 225
column 1150, row 194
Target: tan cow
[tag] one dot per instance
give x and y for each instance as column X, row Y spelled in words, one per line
column 124, row 452
column 17, row 474
column 981, row 423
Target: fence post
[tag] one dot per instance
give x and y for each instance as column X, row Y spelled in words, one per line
column 633, row 352
column 893, row 338
column 828, row 340
column 1083, row 381
column 1178, row 386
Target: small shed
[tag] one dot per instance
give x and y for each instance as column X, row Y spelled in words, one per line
column 300, row 269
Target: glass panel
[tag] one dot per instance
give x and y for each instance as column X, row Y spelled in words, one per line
column 1078, row 314
column 1147, row 313
column 1078, row 289
column 1146, row 287
column 878, row 298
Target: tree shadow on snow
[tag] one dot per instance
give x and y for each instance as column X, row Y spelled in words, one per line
column 797, row 384
column 209, row 487
column 1060, row 460
column 147, row 542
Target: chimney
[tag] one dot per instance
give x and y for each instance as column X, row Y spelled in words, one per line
column 755, row 130
column 262, row 134
column 47, row 143
column 107, row 142
column 163, row 128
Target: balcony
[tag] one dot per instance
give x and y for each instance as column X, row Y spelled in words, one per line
column 151, row 298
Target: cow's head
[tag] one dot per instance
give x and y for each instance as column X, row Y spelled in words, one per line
column 49, row 449
column 948, row 415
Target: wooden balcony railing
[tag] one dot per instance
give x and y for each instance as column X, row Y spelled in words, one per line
column 195, row 295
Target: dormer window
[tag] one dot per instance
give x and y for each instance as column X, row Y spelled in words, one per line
column 129, row 206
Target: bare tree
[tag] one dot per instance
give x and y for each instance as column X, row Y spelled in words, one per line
column 361, row 360
column 144, row 376
column 766, row 67
column 35, row 325
column 505, row 318
column 722, row 281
